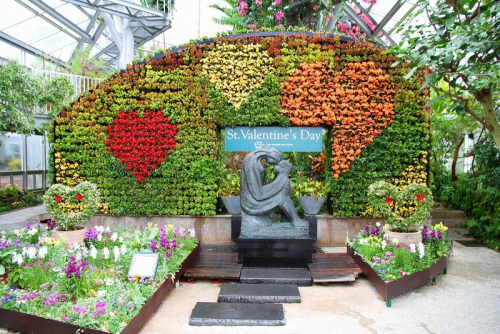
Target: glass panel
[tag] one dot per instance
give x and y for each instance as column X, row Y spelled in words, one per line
column 4, row 181
column 29, row 178
column 38, row 181
column 47, row 183
column 34, row 152
column 18, row 181
column 11, row 153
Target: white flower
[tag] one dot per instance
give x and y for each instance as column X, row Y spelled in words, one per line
column 17, row 232
column 421, row 249
column 192, row 233
column 120, row 239
column 32, row 231
column 108, row 281
column 56, row 269
column 101, row 293
column 99, row 237
column 105, row 251
column 123, row 249
column 384, row 243
column 412, row 248
column 107, row 229
column 17, row 258
column 395, row 241
column 114, row 237
column 78, row 256
column 100, row 228
column 377, row 224
column 30, row 252
column 93, row 252
column 116, row 253
column 42, row 252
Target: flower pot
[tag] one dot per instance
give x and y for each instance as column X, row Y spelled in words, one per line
column 3, row 278
column 405, row 238
column 70, row 237
column 232, row 204
column 310, row 205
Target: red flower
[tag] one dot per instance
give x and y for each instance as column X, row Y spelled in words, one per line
column 57, row 198
column 420, row 197
column 389, row 200
column 79, row 196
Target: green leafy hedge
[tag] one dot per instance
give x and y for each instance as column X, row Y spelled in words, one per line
column 241, row 80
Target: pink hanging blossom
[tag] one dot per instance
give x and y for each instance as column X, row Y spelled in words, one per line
column 277, row 2
column 279, row 15
column 241, row 11
column 258, row 3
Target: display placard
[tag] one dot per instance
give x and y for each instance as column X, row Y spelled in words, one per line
column 144, row 265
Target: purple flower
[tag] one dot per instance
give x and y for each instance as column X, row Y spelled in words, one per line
column 440, row 235
column 38, row 225
column 168, row 254
column 163, row 237
column 375, row 230
column 153, row 246
column 91, row 234
column 387, row 254
column 73, row 269
column 28, row 226
column 51, row 224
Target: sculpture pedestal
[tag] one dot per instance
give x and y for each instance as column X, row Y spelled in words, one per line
column 268, row 252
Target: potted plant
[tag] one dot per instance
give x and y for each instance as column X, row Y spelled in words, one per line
column 229, row 191
column 71, row 208
column 311, row 193
column 404, row 212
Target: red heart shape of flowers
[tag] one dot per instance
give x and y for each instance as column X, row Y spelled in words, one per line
column 142, row 143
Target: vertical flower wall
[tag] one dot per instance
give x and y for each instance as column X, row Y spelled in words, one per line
column 148, row 135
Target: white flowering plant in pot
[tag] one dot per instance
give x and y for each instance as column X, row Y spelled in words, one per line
column 385, row 199
column 72, row 207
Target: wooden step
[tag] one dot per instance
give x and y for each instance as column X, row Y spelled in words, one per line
column 275, row 276
column 237, row 314
column 220, row 266
column 333, row 268
column 259, row 293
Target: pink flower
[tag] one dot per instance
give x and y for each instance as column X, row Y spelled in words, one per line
column 315, row 6
column 243, row 5
column 280, row 26
column 258, row 3
column 241, row 11
column 279, row 15
column 252, row 26
column 277, row 2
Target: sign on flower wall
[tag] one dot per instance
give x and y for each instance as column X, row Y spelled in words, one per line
column 292, row 139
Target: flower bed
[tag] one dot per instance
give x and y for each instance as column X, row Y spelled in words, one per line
column 394, row 269
column 53, row 290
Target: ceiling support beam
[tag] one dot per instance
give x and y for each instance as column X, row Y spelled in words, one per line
column 29, row 49
column 389, row 16
column 50, row 11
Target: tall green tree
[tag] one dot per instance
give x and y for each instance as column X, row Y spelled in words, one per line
column 458, row 43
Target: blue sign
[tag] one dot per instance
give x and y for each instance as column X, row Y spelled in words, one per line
column 293, row 139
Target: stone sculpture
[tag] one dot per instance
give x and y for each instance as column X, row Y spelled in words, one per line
column 259, row 200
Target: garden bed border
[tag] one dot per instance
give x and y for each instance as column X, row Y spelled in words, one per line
column 402, row 285
column 28, row 323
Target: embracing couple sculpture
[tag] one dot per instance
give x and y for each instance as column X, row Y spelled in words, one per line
column 259, row 200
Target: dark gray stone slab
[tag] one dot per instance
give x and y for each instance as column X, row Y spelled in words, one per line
column 264, row 252
column 237, row 314
column 259, row 293
column 300, row 277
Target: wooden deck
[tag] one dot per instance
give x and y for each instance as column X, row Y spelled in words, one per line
column 333, row 268
column 325, row 268
column 215, row 266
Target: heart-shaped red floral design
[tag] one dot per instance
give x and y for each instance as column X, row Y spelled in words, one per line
column 357, row 102
column 142, row 143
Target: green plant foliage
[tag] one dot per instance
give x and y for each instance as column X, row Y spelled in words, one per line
column 243, row 85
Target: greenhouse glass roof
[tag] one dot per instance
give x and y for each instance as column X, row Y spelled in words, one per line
column 55, row 29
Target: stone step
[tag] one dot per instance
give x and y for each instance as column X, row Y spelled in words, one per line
column 301, row 277
column 450, row 222
column 237, row 314
column 447, row 213
column 259, row 293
